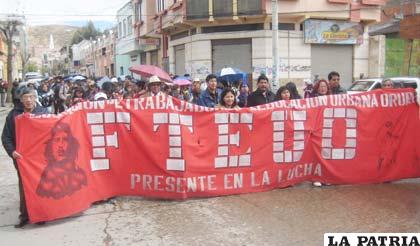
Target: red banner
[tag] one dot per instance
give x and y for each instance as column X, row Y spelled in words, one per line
column 165, row 148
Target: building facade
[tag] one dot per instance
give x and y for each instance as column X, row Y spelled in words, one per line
column 147, row 35
column 104, row 55
column 400, row 32
column 3, row 58
column 83, row 58
column 199, row 37
column 127, row 51
column 95, row 58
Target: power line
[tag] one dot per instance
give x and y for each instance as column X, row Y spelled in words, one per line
column 195, row 15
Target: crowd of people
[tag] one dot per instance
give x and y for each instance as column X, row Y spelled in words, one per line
column 57, row 94
column 221, row 96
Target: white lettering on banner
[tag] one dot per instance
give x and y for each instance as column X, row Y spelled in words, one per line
column 148, row 182
column 280, row 155
column 175, row 162
column 349, row 151
column 223, row 159
column 100, row 141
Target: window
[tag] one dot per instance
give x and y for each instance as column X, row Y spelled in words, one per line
column 121, row 70
column 103, row 51
column 154, row 57
column 143, row 58
column 129, row 25
column 222, row 8
column 124, row 28
column 249, row 7
column 179, row 35
column 233, row 28
column 285, row 26
column 137, row 16
column 119, row 30
column 197, row 9
column 160, row 5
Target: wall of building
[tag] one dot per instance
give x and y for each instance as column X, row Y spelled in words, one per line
column 3, row 59
column 377, row 56
column 361, row 57
column 124, row 62
column 126, row 48
column 295, row 55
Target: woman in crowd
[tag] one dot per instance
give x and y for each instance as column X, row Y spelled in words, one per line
column 78, row 96
column 321, row 88
column 91, row 90
column 283, row 93
column 185, row 93
column 294, row 94
column 228, row 100
column 46, row 97
column 128, row 95
column 387, row 84
column 309, row 86
column 243, row 94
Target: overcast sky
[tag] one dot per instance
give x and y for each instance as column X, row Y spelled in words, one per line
column 40, row 12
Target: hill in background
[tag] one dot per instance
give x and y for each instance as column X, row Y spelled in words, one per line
column 39, row 40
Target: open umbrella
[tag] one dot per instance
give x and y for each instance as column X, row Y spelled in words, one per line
column 149, row 71
column 182, row 81
column 230, row 75
column 78, row 77
column 103, row 80
column 227, row 71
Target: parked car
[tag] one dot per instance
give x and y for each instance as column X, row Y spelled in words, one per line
column 364, row 85
column 33, row 75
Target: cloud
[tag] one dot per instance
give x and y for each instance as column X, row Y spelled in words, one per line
column 43, row 12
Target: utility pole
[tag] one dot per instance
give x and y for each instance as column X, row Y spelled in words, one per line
column 275, row 27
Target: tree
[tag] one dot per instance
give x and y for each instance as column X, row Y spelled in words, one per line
column 31, row 67
column 25, row 59
column 8, row 29
column 87, row 32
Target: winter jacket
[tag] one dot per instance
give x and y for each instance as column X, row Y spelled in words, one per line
column 257, row 98
column 207, row 100
column 8, row 137
column 338, row 90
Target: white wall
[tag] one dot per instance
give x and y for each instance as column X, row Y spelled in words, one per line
column 361, row 57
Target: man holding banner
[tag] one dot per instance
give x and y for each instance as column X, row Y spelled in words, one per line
column 263, row 93
column 8, row 138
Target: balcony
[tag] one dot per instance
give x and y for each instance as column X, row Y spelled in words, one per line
column 199, row 9
column 171, row 19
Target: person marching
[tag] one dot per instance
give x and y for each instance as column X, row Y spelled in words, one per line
column 8, row 138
